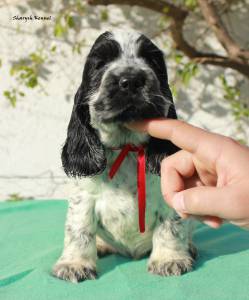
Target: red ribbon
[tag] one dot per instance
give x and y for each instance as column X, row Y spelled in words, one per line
column 140, row 178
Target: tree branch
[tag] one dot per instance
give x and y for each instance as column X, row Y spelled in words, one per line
column 209, row 12
column 158, row 5
column 222, row 61
column 178, row 16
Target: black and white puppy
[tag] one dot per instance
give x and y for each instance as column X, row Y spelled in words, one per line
column 124, row 79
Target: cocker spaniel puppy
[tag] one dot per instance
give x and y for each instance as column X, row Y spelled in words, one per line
column 124, row 80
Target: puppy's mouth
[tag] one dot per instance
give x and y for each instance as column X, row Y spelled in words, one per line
column 135, row 114
column 132, row 110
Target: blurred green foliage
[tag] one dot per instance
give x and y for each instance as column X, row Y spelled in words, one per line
column 240, row 108
column 66, row 17
column 187, row 71
column 25, row 73
column 191, row 4
column 104, row 15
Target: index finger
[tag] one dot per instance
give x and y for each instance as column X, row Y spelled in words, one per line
column 183, row 135
column 206, row 146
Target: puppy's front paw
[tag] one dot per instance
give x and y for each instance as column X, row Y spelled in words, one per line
column 74, row 272
column 171, row 267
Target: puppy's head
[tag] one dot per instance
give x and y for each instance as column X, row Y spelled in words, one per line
column 124, row 80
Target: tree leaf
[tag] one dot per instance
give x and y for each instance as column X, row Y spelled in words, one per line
column 32, row 82
column 70, row 21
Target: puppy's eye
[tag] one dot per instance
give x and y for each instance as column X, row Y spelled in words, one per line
column 99, row 64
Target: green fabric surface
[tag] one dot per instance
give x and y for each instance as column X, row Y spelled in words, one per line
column 31, row 239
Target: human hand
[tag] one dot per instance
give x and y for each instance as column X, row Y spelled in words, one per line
column 208, row 178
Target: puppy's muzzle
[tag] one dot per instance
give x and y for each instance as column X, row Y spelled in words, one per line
column 121, row 89
column 129, row 93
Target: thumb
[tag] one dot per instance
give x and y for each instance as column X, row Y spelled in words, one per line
column 202, row 201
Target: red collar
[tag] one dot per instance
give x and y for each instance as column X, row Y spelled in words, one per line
column 141, row 182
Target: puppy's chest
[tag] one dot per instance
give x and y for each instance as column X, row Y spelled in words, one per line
column 117, row 204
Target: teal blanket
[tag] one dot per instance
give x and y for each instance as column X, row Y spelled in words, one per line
column 31, row 240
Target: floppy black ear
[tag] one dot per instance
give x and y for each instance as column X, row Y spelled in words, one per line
column 83, row 153
column 158, row 149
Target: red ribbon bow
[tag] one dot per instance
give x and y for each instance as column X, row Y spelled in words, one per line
column 140, row 178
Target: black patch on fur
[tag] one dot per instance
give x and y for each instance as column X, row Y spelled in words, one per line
column 157, row 149
column 176, row 217
column 103, row 51
column 193, row 251
column 161, row 219
column 104, row 253
column 155, row 59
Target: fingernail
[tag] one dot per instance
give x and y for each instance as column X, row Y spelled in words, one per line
column 211, row 224
column 182, row 215
column 178, row 202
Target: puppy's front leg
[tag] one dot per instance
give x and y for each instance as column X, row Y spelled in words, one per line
column 173, row 252
column 78, row 260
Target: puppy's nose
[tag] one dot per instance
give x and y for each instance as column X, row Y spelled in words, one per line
column 132, row 82
column 124, row 83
